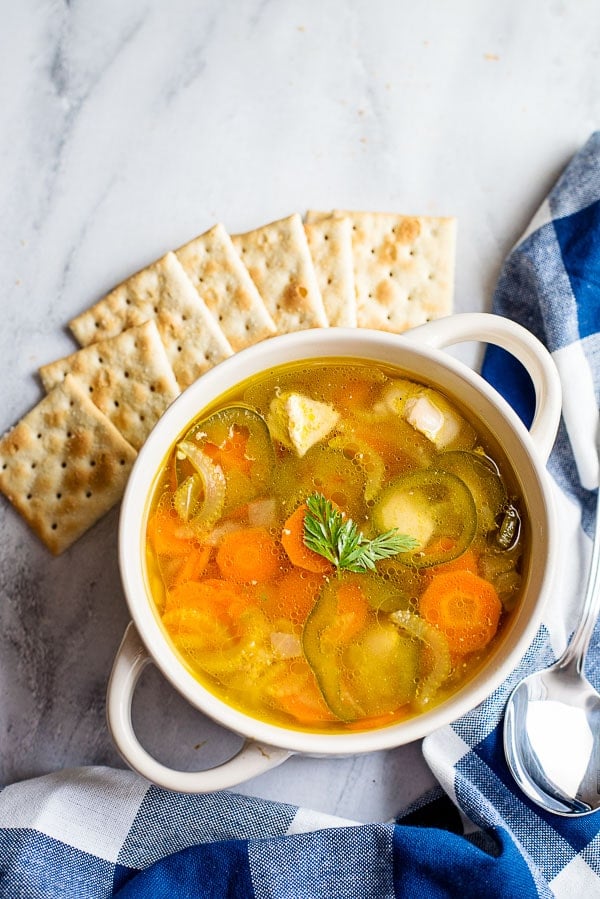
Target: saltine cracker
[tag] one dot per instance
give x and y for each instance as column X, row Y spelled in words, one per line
column 161, row 291
column 64, row 465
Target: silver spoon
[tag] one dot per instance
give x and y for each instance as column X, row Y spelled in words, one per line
column 552, row 720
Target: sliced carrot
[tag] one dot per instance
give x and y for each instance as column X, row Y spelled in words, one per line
column 352, row 604
column 354, row 395
column 297, row 592
column 378, row 440
column 231, row 456
column 465, row 607
column 467, row 561
column 292, row 538
column 221, row 598
column 196, row 628
column 176, row 570
column 297, row 694
column 350, row 617
column 168, row 535
column 249, row 554
column 194, row 565
column 304, row 707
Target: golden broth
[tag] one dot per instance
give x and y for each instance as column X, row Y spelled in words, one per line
column 275, row 628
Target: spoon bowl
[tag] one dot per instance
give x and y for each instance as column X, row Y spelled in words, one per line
column 552, row 740
column 552, row 720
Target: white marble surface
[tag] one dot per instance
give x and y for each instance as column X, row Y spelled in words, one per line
column 126, row 129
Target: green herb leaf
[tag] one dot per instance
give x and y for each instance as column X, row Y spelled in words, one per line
column 328, row 532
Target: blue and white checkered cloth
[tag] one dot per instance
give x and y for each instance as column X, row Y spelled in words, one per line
column 98, row 832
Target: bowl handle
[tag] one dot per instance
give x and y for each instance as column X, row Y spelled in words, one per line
column 521, row 343
column 252, row 759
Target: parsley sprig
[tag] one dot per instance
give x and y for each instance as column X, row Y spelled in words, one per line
column 331, row 534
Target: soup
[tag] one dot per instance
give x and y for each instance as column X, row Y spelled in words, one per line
column 334, row 547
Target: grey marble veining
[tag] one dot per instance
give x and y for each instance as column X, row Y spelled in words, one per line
column 126, row 129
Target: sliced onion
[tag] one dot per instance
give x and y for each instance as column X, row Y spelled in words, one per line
column 214, row 536
column 262, row 513
column 434, row 638
column 199, row 500
column 187, row 496
column 285, row 645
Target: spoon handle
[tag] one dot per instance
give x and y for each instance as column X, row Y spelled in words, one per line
column 576, row 650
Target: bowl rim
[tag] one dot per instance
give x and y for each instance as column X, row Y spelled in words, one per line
column 377, row 346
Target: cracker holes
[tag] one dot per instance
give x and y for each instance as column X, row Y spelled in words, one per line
column 330, row 280
column 122, row 461
column 34, row 464
column 220, row 318
column 152, row 388
column 4, row 466
column 372, row 251
column 88, row 494
column 127, row 301
column 91, row 389
column 156, row 310
column 58, row 496
column 96, row 324
column 63, row 464
column 29, row 496
column 39, row 436
column 179, row 349
column 54, row 526
column 125, row 374
column 100, row 360
column 326, row 237
column 92, row 463
column 116, row 404
column 184, row 318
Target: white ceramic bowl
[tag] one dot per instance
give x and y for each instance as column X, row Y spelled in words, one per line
column 420, row 353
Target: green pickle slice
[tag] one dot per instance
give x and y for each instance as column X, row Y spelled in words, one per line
column 485, row 484
column 217, row 429
column 363, row 668
column 433, row 506
column 322, row 470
